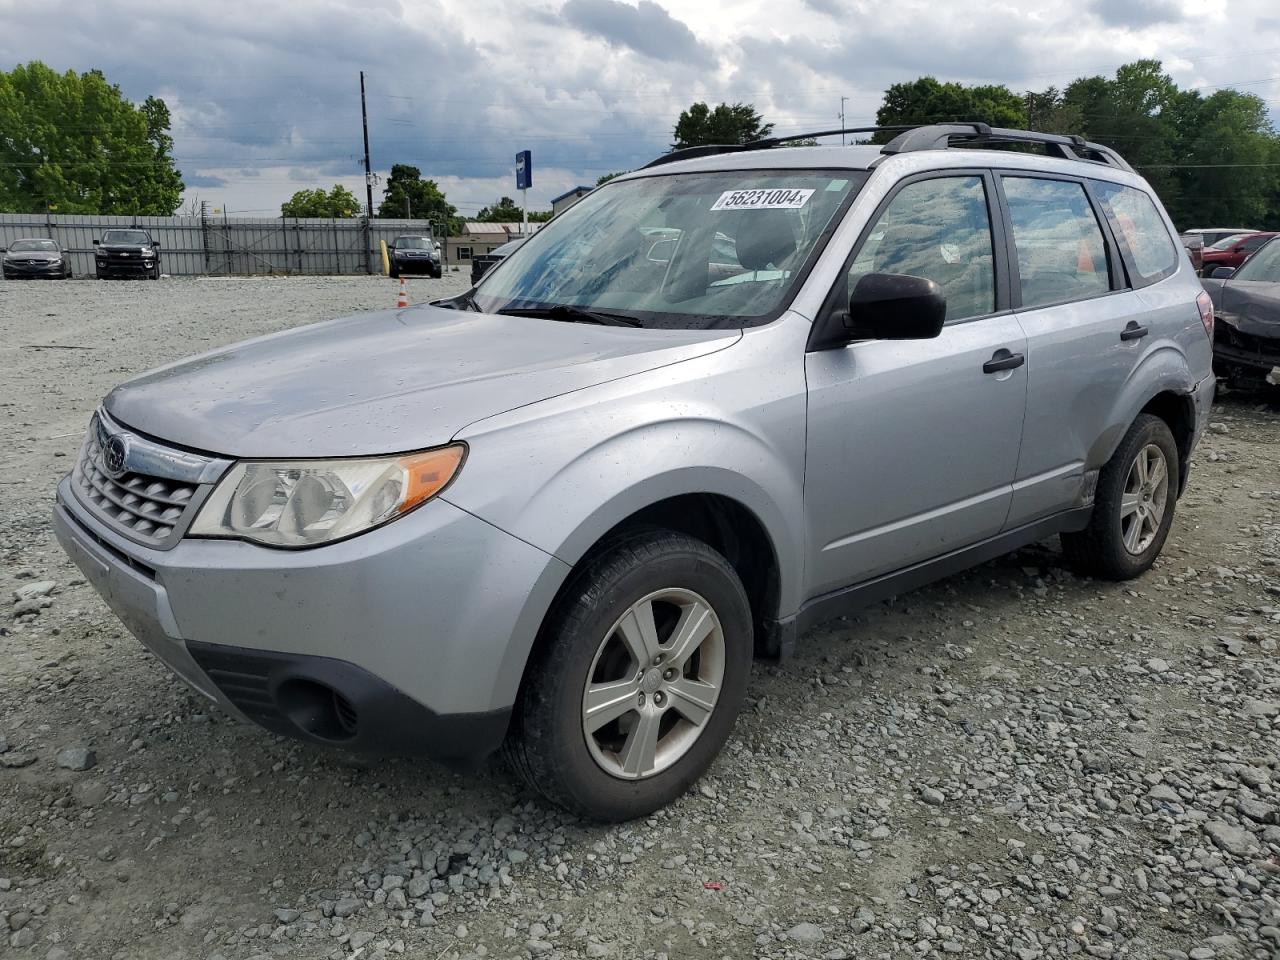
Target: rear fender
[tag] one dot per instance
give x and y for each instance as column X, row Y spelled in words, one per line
column 1163, row 369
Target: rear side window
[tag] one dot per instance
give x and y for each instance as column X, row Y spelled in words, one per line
column 1253, row 243
column 939, row 229
column 1061, row 253
column 1140, row 231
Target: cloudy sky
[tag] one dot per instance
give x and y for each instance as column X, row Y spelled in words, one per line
column 266, row 100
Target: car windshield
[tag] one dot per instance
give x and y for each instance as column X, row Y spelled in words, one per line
column 32, row 246
column 1263, row 265
column 414, row 243
column 138, row 237
column 1226, row 243
column 692, row 250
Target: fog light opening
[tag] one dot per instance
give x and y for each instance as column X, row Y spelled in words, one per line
column 317, row 710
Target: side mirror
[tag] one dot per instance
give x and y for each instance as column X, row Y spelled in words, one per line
column 155, row 244
column 1222, row 273
column 96, row 242
column 893, row 306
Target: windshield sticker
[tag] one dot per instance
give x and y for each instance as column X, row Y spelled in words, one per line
column 783, row 198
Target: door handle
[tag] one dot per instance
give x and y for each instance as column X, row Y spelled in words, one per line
column 1003, row 359
column 1133, row 330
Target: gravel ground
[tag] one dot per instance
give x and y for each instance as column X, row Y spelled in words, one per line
column 1014, row 763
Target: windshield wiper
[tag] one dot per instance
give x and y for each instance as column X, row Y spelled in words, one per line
column 572, row 314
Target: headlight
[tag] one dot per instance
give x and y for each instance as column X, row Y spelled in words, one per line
column 305, row 503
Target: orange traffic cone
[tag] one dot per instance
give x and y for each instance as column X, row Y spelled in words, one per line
column 404, row 296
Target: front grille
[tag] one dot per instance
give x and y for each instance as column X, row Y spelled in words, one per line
column 152, row 498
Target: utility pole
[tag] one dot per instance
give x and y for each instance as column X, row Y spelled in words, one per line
column 368, row 175
column 842, row 100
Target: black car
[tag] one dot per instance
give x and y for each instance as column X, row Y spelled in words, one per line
column 414, row 255
column 1246, row 309
column 482, row 264
column 36, row 257
column 127, row 253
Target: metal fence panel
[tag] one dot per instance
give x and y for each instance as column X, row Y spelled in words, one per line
column 236, row 246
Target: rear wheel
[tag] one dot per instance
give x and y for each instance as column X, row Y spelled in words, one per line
column 642, row 674
column 1134, row 506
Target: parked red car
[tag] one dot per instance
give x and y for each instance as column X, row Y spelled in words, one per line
column 1232, row 251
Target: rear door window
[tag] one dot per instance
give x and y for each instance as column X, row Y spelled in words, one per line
column 1061, row 252
column 1144, row 239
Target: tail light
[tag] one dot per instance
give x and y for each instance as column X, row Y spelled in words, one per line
column 1205, row 303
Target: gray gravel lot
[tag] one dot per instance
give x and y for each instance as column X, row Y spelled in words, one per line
column 1013, row 763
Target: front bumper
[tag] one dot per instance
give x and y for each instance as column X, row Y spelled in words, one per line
column 419, row 265
column 1246, row 356
column 13, row 271
column 407, row 639
column 125, row 268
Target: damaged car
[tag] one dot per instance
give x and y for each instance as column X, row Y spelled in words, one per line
column 1246, row 307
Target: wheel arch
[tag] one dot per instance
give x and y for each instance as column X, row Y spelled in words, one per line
column 1161, row 385
column 1178, row 411
column 725, row 523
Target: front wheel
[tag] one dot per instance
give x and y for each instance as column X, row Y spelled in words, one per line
column 642, row 672
column 1134, row 505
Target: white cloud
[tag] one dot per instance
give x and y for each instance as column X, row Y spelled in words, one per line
column 266, row 99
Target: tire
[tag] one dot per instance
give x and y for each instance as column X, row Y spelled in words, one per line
column 394, row 274
column 681, row 581
column 1111, row 547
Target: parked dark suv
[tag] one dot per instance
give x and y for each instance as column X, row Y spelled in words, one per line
column 127, row 253
column 414, row 255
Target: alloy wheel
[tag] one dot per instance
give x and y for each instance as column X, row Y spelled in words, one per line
column 1146, row 490
column 653, row 683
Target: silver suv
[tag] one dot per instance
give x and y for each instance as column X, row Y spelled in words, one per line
column 725, row 397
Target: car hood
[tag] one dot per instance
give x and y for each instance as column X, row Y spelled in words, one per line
column 1251, row 306
column 384, row 382
column 32, row 255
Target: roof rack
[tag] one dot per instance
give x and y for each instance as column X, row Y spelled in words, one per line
column 712, row 149
column 1066, row 147
column 913, row 137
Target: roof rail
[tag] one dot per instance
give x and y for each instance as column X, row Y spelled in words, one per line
column 712, row 149
column 912, row 137
column 940, row 136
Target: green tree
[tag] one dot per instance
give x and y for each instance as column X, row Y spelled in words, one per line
column 406, row 194
column 338, row 202
column 1226, row 152
column 606, row 177
column 701, row 126
column 1212, row 159
column 927, row 100
column 504, row 211
column 72, row 141
column 1135, row 112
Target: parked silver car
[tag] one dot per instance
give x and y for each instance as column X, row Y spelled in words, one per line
column 564, row 510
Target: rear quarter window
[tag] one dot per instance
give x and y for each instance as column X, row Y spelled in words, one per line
column 1144, row 240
